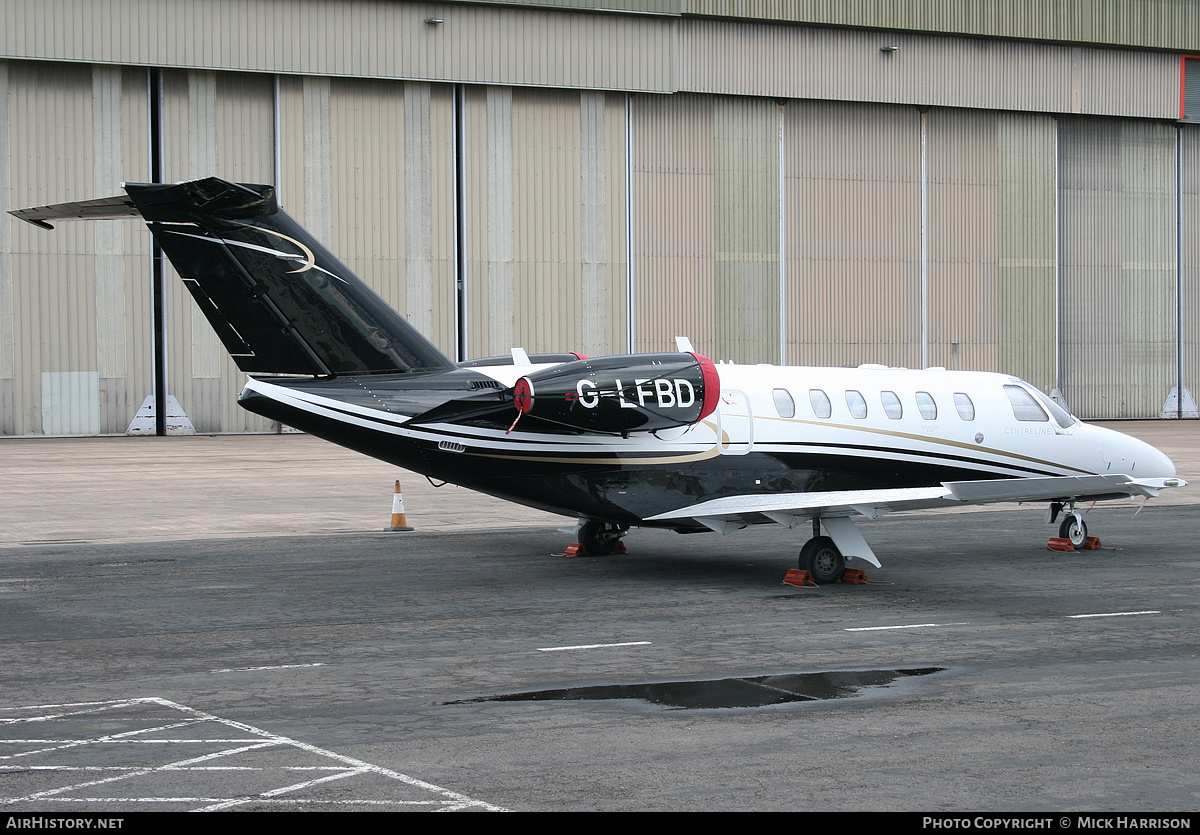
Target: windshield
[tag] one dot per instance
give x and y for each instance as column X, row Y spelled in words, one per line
column 1061, row 416
column 1064, row 418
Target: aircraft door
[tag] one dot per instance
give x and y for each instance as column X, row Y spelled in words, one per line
column 736, row 423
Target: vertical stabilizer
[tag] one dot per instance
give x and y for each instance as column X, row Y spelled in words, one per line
column 279, row 301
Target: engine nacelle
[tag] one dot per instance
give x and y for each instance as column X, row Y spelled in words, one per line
column 639, row 393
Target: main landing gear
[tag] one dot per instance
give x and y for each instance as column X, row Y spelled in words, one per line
column 821, row 558
column 600, row 539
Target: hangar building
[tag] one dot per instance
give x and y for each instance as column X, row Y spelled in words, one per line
column 977, row 184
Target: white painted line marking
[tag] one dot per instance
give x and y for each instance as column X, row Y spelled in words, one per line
column 273, row 667
column 906, row 626
column 194, row 725
column 1117, row 614
column 595, row 646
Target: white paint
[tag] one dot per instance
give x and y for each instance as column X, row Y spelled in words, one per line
column 143, row 423
column 1117, row 614
column 273, row 666
column 595, row 646
column 70, row 403
column 1173, row 408
column 250, row 739
column 906, row 626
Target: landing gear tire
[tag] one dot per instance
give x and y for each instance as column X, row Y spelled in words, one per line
column 821, row 558
column 600, row 539
column 1074, row 529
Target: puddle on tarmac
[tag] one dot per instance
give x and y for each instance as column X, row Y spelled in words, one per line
column 750, row 691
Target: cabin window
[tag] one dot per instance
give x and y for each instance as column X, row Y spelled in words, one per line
column 926, row 405
column 1024, row 406
column 891, row 405
column 820, row 403
column 857, row 404
column 966, row 409
column 784, row 404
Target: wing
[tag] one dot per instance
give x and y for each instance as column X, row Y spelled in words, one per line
column 790, row 509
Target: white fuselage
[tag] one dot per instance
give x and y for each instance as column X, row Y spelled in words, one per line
column 964, row 416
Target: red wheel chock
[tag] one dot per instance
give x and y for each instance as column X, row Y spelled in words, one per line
column 576, row 549
column 1061, row 543
column 798, row 577
column 854, row 576
column 803, row 577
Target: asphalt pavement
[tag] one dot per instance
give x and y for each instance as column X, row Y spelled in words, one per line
column 223, row 623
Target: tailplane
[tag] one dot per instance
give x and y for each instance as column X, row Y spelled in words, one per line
column 279, row 301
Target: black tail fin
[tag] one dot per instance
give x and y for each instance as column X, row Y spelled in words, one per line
column 280, row 302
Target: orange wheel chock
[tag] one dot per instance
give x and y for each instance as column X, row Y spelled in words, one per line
column 854, row 576
column 798, row 577
column 1060, row 543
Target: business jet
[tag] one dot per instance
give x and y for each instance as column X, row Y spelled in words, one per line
column 667, row 440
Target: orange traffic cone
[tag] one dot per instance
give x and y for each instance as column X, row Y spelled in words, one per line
column 399, row 522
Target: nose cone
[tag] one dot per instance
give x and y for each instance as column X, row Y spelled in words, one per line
column 1151, row 462
column 1127, row 455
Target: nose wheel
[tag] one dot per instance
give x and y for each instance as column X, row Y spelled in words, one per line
column 821, row 558
column 1073, row 528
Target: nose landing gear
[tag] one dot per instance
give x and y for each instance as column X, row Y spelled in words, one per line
column 1072, row 527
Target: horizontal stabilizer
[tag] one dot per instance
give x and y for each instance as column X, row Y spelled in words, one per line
column 106, row 208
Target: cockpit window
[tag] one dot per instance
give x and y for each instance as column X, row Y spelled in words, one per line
column 1024, row 405
column 857, row 404
column 926, row 405
column 1061, row 416
column 821, row 406
column 891, row 405
column 784, row 404
column 966, row 409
